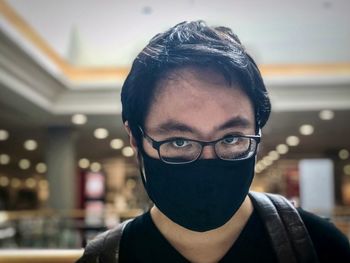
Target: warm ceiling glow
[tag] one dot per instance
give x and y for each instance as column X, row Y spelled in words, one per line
column 343, row 154
column 84, row 163
column 347, row 169
column 326, row 115
column 24, row 164
column 15, row 183
column 30, row 145
column 4, row 159
column 128, row 151
column 306, row 129
column 282, row 148
column 117, row 144
column 79, row 119
column 43, row 183
column 101, row 133
column 41, row 168
column 95, row 167
column 4, row 181
column 130, row 183
column 3, row 135
column 292, row 140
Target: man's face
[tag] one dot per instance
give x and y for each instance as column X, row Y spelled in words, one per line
column 198, row 104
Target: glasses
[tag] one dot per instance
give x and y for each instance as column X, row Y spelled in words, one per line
column 182, row 150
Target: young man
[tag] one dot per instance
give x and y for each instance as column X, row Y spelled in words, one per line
column 194, row 104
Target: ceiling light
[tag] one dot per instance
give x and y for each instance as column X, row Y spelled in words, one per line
column 347, row 169
column 128, row 151
column 43, row 183
column 131, row 183
column 41, row 168
column 292, row 140
column 266, row 161
column 117, row 144
column 4, row 159
column 4, row 135
column 30, row 145
column 343, row 154
column 30, row 183
column 282, row 148
column 24, row 164
column 306, row 129
column 79, row 119
column 260, row 165
column 15, row 183
column 146, row 10
column 101, row 133
column 267, row 157
column 263, row 166
column 4, row 181
column 274, row 155
column 84, row 163
column 326, row 115
column 95, row 167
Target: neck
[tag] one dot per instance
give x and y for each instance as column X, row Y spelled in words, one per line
column 187, row 241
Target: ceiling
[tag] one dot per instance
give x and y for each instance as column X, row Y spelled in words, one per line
column 64, row 57
column 111, row 32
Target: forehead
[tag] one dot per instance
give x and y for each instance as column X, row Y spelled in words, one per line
column 198, row 97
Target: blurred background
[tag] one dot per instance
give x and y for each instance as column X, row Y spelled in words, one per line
column 66, row 168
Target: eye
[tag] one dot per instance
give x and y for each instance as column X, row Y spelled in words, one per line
column 179, row 143
column 230, row 140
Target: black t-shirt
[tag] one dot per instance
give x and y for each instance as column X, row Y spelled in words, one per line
column 143, row 242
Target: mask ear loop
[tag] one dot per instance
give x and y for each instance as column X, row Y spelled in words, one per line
column 143, row 174
column 139, row 143
column 257, row 123
column 140, row 152
column 141, row 168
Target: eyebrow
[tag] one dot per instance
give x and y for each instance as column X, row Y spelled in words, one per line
column 238, row 122
column 176, row 126
column 173, row 125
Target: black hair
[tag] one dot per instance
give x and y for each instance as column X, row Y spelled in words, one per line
column 191, row 44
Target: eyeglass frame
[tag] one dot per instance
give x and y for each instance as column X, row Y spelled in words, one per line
column 157, row 144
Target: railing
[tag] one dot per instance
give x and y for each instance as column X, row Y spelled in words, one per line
column 48, row 229
column 40, row 256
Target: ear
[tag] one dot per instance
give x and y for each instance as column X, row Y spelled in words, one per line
column 132, row 139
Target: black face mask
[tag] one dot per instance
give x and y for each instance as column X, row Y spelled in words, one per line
column 199, row 196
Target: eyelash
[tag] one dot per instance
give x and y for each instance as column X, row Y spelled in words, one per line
column 184, row 138
column 177, row 138
column 232, row 134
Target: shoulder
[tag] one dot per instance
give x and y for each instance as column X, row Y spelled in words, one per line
column 104, row 245
column 330, row 244
column 93, row 248
column 137, row 225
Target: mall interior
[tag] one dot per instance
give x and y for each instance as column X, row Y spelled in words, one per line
column 67, row 171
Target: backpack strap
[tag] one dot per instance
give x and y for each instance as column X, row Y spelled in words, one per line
column 279, row 215
column 105, row 246
column 275, row 227
column 296, row 229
